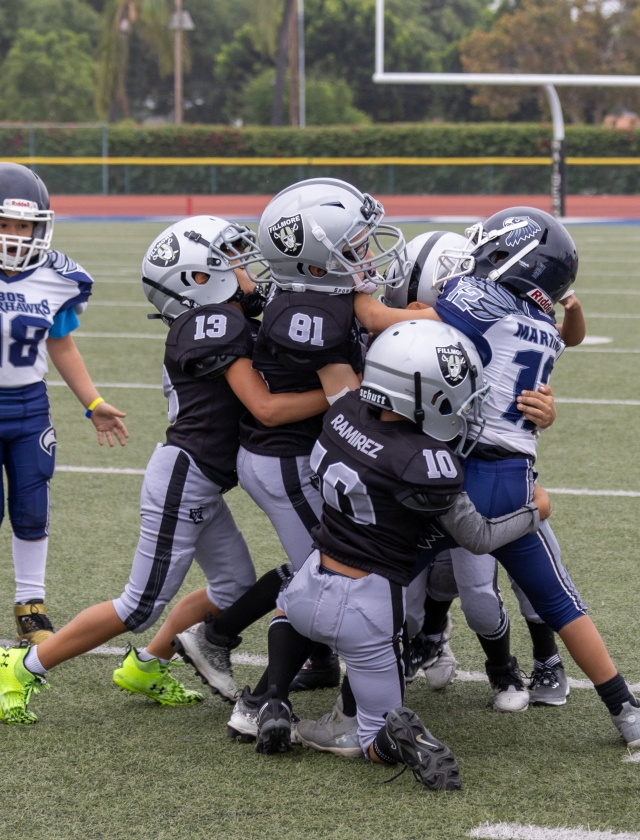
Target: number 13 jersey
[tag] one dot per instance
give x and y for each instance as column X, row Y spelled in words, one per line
column 518, row 345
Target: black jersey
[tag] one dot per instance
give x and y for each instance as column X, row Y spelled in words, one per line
column 203, row 410
column 300, row 333
column 367, row 468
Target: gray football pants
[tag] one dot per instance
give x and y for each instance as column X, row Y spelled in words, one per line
column 361, row 619
column 184, row 517
column 282, row 488
column 473, row 578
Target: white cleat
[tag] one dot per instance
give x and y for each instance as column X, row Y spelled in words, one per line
column 212, row 662
column 509, row 692
column 628, row 724
column 334, row 733
column 442, row 672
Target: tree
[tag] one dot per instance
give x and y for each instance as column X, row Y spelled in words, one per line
column 48, row 77
column 119, row 17
column 554, row 36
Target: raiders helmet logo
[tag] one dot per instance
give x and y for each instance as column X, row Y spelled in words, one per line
column 526, row 229
column 166, row 252
column 453, row 365
column 288, row 235
column 48, row 440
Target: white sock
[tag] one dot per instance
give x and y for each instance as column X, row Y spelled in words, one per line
column 29, row 562
column 33, row 664
column 145, row 656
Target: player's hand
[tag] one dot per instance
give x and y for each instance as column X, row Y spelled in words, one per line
column 542, row 501
column 107, row 421
column 417, row 305
column 538, row 406
column 570, row 303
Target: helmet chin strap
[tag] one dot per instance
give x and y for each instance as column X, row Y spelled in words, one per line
column 498, row 272
column 185, row 301
column 418, row 414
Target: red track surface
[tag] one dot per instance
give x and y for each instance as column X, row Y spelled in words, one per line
column 596, row 206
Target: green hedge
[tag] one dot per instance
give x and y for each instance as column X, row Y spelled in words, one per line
column 414, row 140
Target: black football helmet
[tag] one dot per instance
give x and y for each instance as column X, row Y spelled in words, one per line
column 24, row 196
column 527, row 250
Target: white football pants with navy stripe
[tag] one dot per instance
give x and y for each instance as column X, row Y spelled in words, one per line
column 282, row 488
column 362, row 620
column 184, row 517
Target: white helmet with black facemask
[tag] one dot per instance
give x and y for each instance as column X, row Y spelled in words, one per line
column 431, row 374
column 197, row 245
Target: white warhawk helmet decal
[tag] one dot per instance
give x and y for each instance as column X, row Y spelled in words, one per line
column 521, row 233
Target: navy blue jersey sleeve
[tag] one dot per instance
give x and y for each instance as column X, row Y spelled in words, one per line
column 207, row 340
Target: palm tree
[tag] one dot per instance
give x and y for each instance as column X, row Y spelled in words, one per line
column 151, row 20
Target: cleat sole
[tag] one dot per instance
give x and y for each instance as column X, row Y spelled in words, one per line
column 245, row 737
column 274, row 737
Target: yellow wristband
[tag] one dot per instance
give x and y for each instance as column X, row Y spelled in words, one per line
column 95, row 403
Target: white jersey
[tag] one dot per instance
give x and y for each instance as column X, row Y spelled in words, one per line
column 29, row 302
column 518, row 345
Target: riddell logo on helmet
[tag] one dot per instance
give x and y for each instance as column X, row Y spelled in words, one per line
column 538, row 296
column 20, row 202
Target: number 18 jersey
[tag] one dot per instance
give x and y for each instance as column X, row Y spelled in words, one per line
column 518, row 345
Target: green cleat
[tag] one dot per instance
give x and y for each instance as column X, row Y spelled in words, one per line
column 16, row 686
column 153, row 680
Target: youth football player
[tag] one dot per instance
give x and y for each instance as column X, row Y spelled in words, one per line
column 194, row 274
column 41, row 294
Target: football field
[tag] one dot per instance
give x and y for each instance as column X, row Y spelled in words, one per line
column 103, row 764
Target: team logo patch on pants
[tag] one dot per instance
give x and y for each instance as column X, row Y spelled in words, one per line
column 48, row 440
column 195, row 515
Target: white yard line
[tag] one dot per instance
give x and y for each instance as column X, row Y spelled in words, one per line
column 586, row 315
column 598, row 350
column 148, row 305
column 581, row 401
column 108, row 470
column 81, row 334
column 566, row 491
column 608, row 291
column 514, row 831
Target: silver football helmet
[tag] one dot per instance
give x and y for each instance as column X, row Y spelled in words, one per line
column 204, row 244
column 24, row 197
column 431, row 374
column 430, row 266
column 327, row 224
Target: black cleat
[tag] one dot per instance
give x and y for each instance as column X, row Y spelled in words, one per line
column 430, row 761
column 323, row 673
column 274, row 725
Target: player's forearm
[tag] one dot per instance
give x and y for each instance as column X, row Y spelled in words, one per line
column 290, row 408
column 336, row 378
column 574, row 327
column 69, row 363
column 482, row 536
column 376, row 317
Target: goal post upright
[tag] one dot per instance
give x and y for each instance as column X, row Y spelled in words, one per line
column 549, row 81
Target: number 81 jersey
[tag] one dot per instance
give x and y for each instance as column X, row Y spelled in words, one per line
column 518, row 345
column 29, row 302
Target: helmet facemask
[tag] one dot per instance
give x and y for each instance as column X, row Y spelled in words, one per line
column 30, row 251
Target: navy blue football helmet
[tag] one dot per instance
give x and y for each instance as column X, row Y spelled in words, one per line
column 527, row 250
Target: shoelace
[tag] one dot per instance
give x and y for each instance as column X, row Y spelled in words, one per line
column 393, row 778
column 543, row 676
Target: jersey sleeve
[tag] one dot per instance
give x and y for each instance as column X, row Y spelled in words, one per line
column 209, row 340
column 65, row 321
column 431, row 481
column 70, row 270
column 309, row 336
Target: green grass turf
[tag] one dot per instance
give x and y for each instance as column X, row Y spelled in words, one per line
column 101, row 764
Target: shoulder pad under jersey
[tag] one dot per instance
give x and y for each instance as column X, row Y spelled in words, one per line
column 435, row 467
column 307, row 321
column 205, row 341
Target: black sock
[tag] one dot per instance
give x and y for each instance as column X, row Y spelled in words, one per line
column 288, row 651
column 614, row 693
column 435, row 616
column 544, row 641
column 382, row 747
column 348, row 700
column 497, row 651
column 263, row 684
column 254, row 604
column 321, row 656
